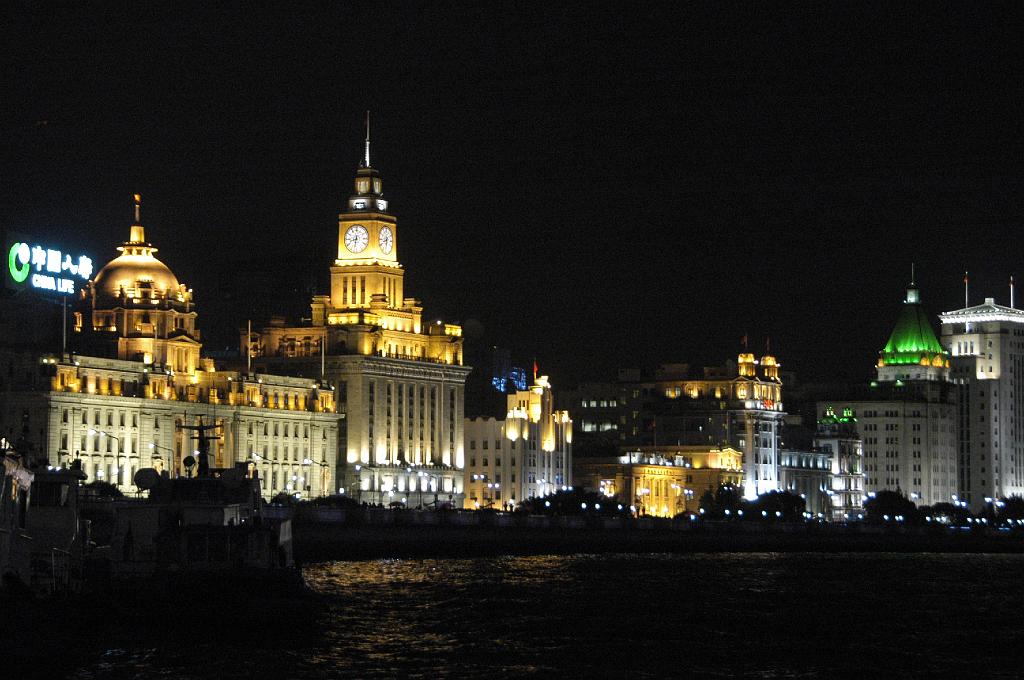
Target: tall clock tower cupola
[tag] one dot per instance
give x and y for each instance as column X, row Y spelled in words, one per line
column 366, row 273
column 369, row 189
column 367, row 232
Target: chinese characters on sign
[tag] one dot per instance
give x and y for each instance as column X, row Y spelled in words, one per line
column 46, row 269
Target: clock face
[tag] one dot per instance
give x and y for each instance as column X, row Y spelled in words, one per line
column 356, row 238
column 386, row 240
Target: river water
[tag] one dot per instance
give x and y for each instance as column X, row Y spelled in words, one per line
column 767, row 615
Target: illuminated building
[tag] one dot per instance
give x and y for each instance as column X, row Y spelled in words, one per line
column 838, row 437
column 987, row 346
column 526, row 455
column 135, row 309
column 806, row 474
column 118, row 402
column 402, row 379
column 661, row 481
column 734, row 406
column 907, row 418
column 829, row 476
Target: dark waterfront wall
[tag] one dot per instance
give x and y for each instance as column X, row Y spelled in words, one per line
column 319, row 541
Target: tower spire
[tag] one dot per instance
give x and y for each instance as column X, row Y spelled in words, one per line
column 1012, row 306
column 137, row 234
column 366, row 154
column 912, row 278
column 966, row 302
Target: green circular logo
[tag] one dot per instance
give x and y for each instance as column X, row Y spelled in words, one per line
column 17, row 262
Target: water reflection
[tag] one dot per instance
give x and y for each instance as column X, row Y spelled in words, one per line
column 636, row 616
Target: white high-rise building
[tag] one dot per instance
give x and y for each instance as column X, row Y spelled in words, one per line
column 986, row 343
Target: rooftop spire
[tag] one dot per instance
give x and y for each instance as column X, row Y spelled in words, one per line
column 366, row 154
column 138, row 233
column 913, row 294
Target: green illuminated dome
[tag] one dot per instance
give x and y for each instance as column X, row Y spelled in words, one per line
column 913, row 340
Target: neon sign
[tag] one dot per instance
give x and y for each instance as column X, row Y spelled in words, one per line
column 46, row 269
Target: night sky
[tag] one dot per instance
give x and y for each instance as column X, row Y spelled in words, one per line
column 595, row 187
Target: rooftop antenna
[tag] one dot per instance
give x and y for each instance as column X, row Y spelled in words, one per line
column 366, row 156
column 966, row 303
column 912, row 274
column 202, row 443
column 1011, row 293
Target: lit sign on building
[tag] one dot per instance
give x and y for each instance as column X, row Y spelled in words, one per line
column 45, row 269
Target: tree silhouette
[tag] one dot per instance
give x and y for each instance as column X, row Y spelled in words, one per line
column 891, row 504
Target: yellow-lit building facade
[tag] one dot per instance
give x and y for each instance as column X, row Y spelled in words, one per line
column 733, row 406
column 402, row 378
column 119, row 402
column 526, row 455
column 661, row 481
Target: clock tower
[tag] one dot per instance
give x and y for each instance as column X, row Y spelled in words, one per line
column 367, row 263
column 402, row 380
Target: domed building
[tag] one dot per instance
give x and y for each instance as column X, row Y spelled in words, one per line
column 906, row 417
column 913, row 352
column 133, row 393
column 135, row 309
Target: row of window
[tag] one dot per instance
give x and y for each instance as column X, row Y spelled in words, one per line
column 599, row 403
column 97, row 417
